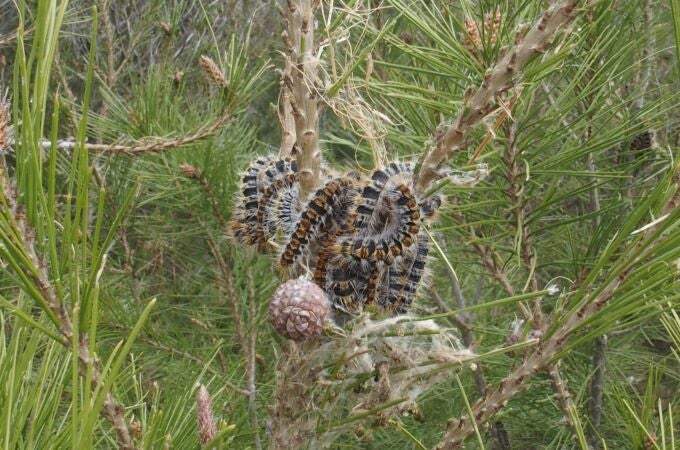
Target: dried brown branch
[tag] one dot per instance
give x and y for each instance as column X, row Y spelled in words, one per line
column 148, row 145
column 302, row 71
column 499, row 80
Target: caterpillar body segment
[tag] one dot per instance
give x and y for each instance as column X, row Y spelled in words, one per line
column 405, row 277
column 280, row 176
column 383, row 240
column 362, row 238
column 347, row 283
column 285, row 213
column 244, row 226
column 321, row 209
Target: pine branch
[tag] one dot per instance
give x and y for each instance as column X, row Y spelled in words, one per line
column 499, row 80
column 517, row 381
column 148, row 145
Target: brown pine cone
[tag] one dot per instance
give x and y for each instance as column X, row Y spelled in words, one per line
column 298, row 309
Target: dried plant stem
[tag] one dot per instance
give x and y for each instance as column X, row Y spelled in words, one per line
column 302, row 80
column 153, row 145
column 596, row 388
column 498, row 81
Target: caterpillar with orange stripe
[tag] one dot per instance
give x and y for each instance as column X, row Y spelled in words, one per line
column 387, row 217
column 328, row 204
column 405, row 277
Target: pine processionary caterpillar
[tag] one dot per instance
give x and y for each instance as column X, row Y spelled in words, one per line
column 405, row 277
column 279, row 177
column 398, row 219
column 364, row 239
column 319, row 212
column 244, row 225
column 284, row 212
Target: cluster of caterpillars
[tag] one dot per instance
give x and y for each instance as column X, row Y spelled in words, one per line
column 363, row 239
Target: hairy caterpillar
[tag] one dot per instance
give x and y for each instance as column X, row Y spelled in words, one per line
column 279, row 177
column 318, row 214
column 387, row 219
column 405, row 277
column 283, row 211
column 363, row 239
column 244, row 225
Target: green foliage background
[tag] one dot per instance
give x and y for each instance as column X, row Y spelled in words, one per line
column 612, row 76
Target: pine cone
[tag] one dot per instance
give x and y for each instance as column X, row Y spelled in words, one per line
column 298, row 309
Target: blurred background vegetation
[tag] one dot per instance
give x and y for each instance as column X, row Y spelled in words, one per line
column 593, row 129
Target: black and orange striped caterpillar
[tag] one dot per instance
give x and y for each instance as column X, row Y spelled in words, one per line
column 363, row 239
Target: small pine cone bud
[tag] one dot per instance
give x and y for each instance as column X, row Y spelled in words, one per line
column 298, row 309
column 189, row 171
column 213, row 71
column 206, row 421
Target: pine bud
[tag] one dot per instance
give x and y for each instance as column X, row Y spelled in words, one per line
column 206, row 422
column 213, row 71
column 298, row 309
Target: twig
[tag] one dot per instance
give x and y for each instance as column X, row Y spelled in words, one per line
column 462, row 323
column 154, row 145
column 225, row 264
column 520, row 211
column 192, row 172
column 486, row 407
column 596, row 389
column 8, row 38
column 188, row 356
column 498, row 81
